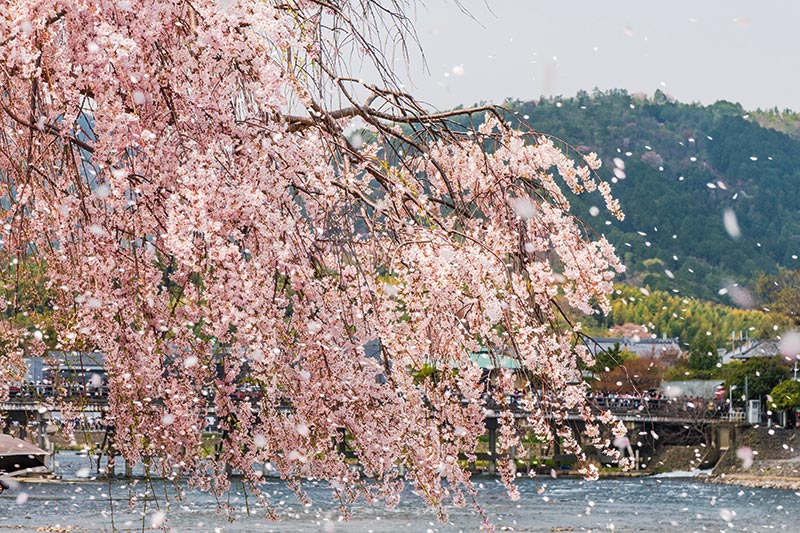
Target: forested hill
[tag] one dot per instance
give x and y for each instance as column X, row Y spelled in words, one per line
column 685, row 165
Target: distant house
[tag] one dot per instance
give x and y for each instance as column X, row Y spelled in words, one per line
column 643, row 347
column 752, row 348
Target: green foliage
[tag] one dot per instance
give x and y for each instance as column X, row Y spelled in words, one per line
column 668, row 314
column 611, row 358
column 426, row 372
column 703, row 354
column 786, row 121
column 762, row 373
column 786, row 395
column 781, row 293
column 680, row 371
column 685, row 165
column 24, row 289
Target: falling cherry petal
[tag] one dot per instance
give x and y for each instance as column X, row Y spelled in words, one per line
column 746, row 456
column 157, row 519
column 731, row 224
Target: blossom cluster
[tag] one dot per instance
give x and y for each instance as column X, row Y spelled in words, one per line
column 206, row 241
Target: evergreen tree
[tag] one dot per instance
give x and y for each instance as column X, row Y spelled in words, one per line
column 703, row 354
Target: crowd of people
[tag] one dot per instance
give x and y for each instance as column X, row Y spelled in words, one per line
column 657, row 402
column 46, row 389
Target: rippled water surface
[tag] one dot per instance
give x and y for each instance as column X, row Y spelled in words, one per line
column 644, row 504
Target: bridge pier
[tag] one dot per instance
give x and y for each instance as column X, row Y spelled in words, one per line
column 41, row 433
column 723, row 437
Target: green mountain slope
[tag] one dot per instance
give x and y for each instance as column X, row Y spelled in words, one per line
column 685, row 166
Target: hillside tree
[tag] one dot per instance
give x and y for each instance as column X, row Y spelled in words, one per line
column 703, row 355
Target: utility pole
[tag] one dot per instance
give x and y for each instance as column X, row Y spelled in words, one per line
column 746, row 391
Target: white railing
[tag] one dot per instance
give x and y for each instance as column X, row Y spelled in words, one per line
column 736, row 416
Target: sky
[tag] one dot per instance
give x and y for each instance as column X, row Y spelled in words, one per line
column 696, row 51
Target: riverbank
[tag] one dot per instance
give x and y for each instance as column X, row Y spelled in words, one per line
column 774, row 454
column 755, row 482
column 761, row 458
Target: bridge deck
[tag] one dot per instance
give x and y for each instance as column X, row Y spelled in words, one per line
column 626, row 415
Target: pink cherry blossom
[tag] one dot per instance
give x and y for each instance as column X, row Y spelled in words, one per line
column 183, row 172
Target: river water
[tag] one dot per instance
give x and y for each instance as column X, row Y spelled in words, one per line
column 546, row 504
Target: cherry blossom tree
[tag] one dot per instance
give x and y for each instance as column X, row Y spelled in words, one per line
column 219, row 199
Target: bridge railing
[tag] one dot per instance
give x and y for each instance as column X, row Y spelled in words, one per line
column 735, row 416
column 31, row 392
column 681, row 407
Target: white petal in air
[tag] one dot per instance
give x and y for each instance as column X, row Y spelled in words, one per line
column 745, row 455
column 790, row 344
column 157, row 519
column 96, row 230
column 102, row 191
column 524, row 208
column 731, row 224
column 390, row 289
column 741, row 296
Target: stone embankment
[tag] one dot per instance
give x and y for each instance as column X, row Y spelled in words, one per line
column 763, row 458
column 679, row 459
